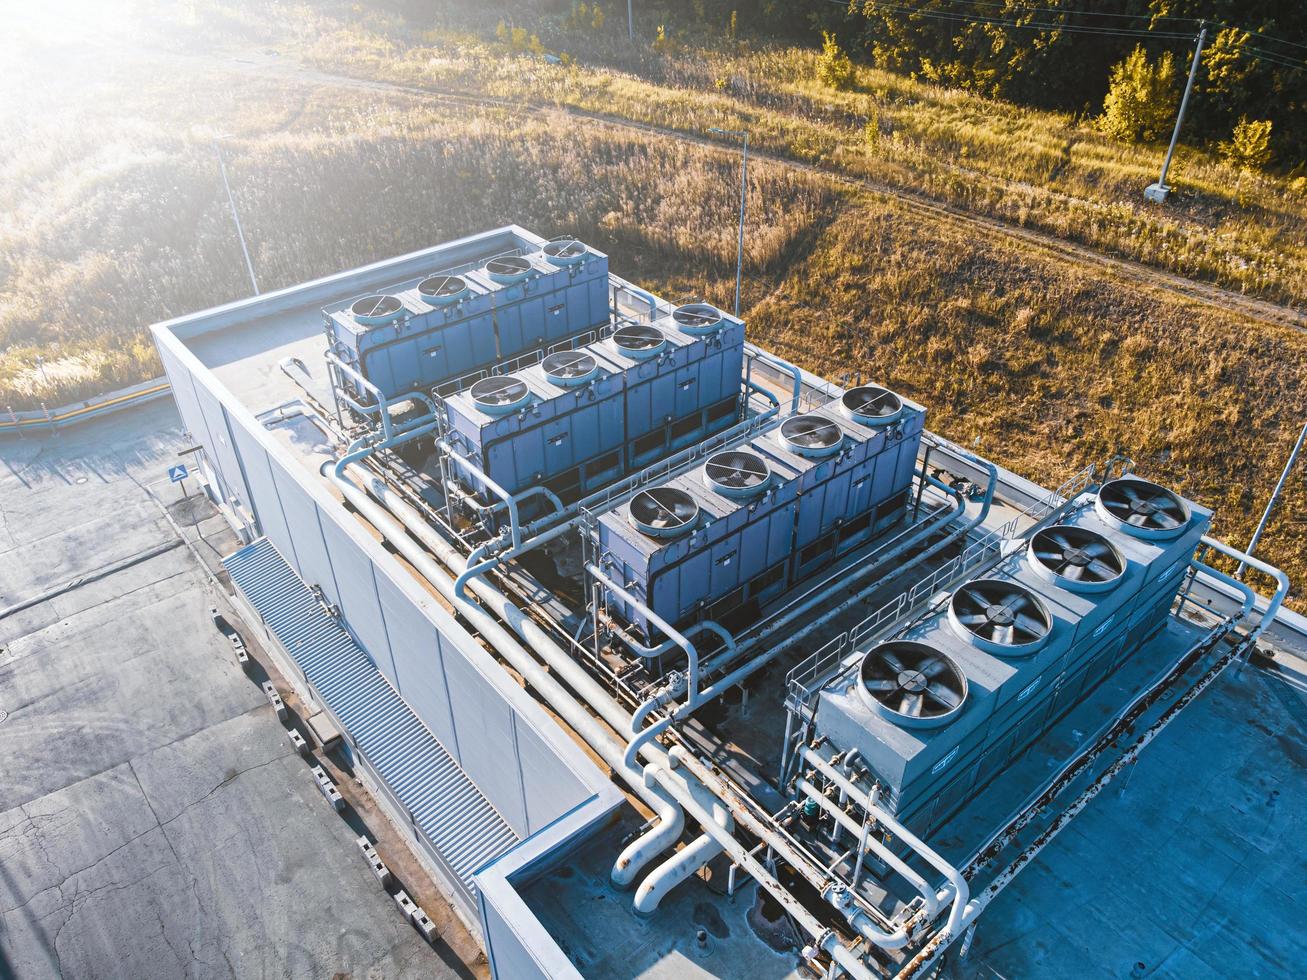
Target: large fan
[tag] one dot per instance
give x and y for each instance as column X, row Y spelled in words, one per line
column 872, row 405
column 1000, row 617
column 639, row 341
column 663, row 512
column 564, row 251
column 508, row 269
column 568, row 368
column 697, row 318
column 1142, row 509
column 498, row 395
column 912, row 684
column 811, row 435
column 1076, row 558
column 736, row 473
column 376, row 309
column 442, row 290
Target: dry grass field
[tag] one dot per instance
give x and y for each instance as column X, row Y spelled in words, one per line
column 114, row 216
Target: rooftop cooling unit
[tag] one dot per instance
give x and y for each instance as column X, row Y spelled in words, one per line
column 740, row 503
column 1076, row 559
column 1142, row 509
column 376, row 310
column 736, row 473
column 812, row 436
column 912, row 684
column 1000, row 617
column 570, row 368
column 663, row 512
column 872, row 405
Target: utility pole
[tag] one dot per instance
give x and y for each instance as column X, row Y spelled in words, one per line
column 630, row 23
column 1275, row 496
column 743, row 136
column 231, row 200
column 1159, row 192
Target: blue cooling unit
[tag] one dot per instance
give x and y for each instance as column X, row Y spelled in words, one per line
column 728, row 532
column 682, row 375
column 1030, row 640
column 499, row 296
column 576, row 421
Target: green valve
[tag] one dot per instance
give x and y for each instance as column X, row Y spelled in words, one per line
column 809, row 809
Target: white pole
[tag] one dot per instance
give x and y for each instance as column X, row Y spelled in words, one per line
column 739, row 248
column 1184, row 102
column 240, row 233
column 1275, row 496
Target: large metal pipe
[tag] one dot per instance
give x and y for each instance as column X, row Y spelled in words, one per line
column 681, row 866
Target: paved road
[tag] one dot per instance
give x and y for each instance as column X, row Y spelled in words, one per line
column 154, row 821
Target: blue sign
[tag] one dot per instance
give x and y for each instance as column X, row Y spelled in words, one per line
column 178, row 473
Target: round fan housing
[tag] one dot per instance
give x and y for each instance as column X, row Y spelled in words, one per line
column 1141, row 509
column 1000, row 617
column 872, row 405
column 500, row 394
column 639, row 341
column 1076, row 559
column 570, row 368
column 508, row 269
column 912, row 684
column 697, row 318
column 377, row 309
column 736, row 473
column 811, row 435
column 663, row 512
column 443, row 290
column 564, row 252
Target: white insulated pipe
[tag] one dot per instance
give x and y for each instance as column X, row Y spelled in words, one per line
column 683, row 865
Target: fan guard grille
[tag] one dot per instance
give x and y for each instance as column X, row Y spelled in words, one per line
column 663, row 512
column 811, row 435
column 639, row 340
column 736, row 473
column 566, row 250
column 1142, row 509
column 697, row 318
column 499, row 392
column 872, row 405
column 507, row 268
column 1000, row 616
column 569, row 366
column 912, row 684
column 378, row 308
column 1076, row 558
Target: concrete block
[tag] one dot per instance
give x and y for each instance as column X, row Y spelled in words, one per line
column 238, row 647
column 378, row 866
column 325, row 731
column 405, row 904
column 275, row 699
column 297, row 740
column 328, row 788
column 424, row 925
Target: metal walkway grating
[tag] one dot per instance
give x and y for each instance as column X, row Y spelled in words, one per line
column 448, row 807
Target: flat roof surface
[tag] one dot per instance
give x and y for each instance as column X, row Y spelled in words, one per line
column 154, row 819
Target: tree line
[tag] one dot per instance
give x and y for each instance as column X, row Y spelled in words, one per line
column 1122, row 61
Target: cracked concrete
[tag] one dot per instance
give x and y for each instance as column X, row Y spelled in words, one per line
column 154, row 819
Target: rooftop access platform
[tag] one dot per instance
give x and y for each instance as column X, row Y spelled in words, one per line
column 672, row 657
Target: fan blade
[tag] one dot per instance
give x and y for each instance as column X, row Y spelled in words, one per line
column 912, row 705
column 892, row 661
column 944, row 696
column 973, row 619
column 1102, row 570
column 880, row 685
column 1031, row 625
column 1002, row 634
column 1074, row 572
